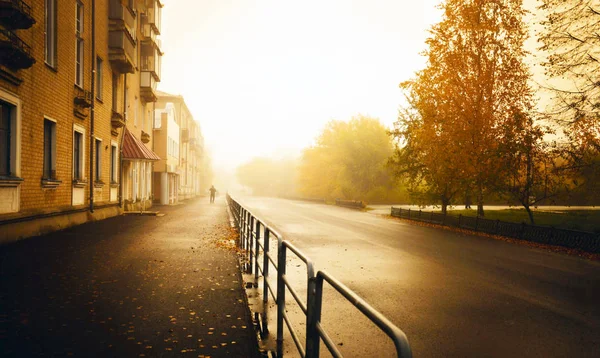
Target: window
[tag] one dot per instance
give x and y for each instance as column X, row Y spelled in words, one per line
column 49, row 149
column 98, row 162
column 115, row 91
column 99, row 84
column 79, row 44
column 50, row 32
column 77, row 155
column 6, row 135
column 113, row 163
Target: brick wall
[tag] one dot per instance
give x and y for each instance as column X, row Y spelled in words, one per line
column 49, row 92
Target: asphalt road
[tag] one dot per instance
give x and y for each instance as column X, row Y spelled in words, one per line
column 454, row 295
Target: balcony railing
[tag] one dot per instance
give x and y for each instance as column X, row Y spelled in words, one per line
column 151, row 59
column 16, row 14
column 154, row 15
column 121, row 15
column 14, row 53
column 147, row 87
column 121, row 39
column 122, row 52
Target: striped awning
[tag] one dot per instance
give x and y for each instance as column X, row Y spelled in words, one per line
column 134, row 149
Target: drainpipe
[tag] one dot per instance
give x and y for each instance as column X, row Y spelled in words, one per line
column 153, row 116
column 92, row 112
column 122, row 138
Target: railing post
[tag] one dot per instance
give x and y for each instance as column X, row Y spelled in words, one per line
column 281, row 258
column 266, row 265
column 313, row 316
column 476, row 222
column 497, row 224
column 242, row 218
column 256, row 251
column 250, row 242
column 459, row 217
column 265, row 319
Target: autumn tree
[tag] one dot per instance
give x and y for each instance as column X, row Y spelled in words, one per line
column 528, row 163
column 348, row 161
column 572, row 41
column 474, row 82
column 425, row 157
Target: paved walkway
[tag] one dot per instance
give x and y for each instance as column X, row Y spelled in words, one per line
column 128, row 286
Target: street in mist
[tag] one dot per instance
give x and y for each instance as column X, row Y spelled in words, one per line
column 452, row 294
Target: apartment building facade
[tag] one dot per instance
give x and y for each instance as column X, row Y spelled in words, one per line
column 179, row 141
column 141, row 65
column 66, row 107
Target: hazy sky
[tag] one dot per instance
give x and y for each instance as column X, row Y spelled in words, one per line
column 264, row 76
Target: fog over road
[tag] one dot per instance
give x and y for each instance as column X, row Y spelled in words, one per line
column 452, row 294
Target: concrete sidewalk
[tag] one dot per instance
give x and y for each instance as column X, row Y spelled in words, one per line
column 128, row 286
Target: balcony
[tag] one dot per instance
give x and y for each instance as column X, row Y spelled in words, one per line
column 154, row 15
column 122, row 37
column 145, row 137
column 148, row 35
column 150, row 59
column 16, row 14
column 82, row 98
column 14, row 53
column 117, row 120
column 147, row 87
column 82, row 101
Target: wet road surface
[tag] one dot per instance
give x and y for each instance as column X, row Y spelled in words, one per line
column 453, row 294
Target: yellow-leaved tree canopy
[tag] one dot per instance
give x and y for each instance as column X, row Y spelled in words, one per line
column 348, row 161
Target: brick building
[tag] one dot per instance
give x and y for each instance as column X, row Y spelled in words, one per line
column 179, row 142
column 72, row 78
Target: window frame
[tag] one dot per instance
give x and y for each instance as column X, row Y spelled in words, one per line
column 9, row 136
column 51, row 34
column 114, row 155
column 115, row 92
column 99, row 78
column 49, row 166
column 79, row 44
column 98, row 160
column 79, row 177
column 14, row 149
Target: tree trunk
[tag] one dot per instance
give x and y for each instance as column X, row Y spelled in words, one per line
column 467, row 199
column 445, row 203
column 530, row 213
column 480, row 201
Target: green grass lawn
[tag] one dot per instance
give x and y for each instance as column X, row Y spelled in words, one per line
column 583, row 220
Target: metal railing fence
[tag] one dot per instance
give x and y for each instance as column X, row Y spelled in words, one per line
column 586, row 241
column 253, row 245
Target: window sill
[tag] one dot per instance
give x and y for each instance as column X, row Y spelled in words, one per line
column 79, row 183
column 52, row 68
column 114, row 184
column 98, row 184
column 10, row 181
column 50, row 183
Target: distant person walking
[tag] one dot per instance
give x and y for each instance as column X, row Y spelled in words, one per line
column 212, row 193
